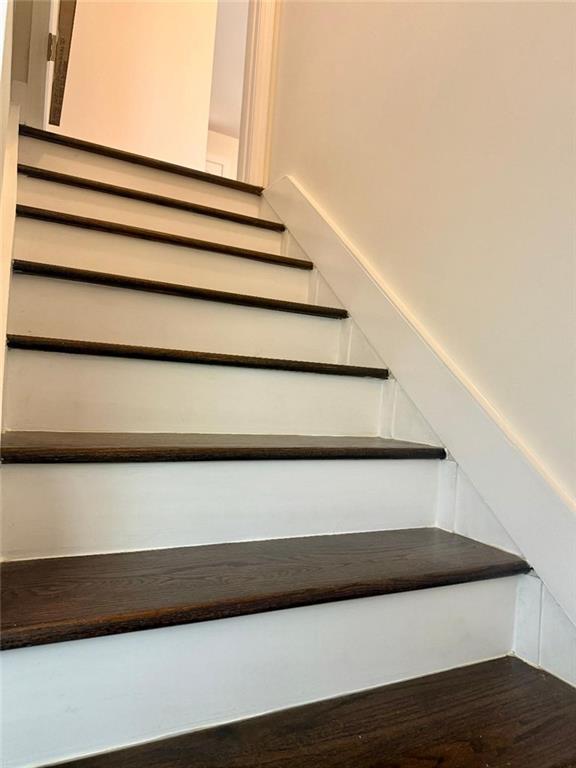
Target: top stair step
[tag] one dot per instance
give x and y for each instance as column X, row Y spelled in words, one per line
column 130, row 157
column 72, row 598
column 501, row 713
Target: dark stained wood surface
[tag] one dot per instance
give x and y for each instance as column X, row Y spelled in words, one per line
column 83, row 447
column 130, row 157
column 147, row 197
column 66, row 16
column 499, row 714
column 45, row 601
column 79, row 347
column 110, row 227
column 59, row 272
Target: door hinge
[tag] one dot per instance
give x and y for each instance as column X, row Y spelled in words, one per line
column 52, row 40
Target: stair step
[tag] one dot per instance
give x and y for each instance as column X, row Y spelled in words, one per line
column 43, row 307
column 59, row 510
column 49, row 447
column 67, row 700
column 130, row 157
column 46, row 601
column 147, row 197
column 498, row 713
column 111, row 394
column 51, row 243
column 79, row 347
column 111, row 227
column 172, row 289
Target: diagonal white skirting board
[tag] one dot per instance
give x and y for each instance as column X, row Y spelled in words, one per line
column 536, row 513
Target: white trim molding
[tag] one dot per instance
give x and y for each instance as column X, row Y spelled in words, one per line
column 544, row 636
column 532, row 508
column 257, row 102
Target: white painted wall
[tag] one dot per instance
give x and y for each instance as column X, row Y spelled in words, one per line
column 228, row 72
column 222, row 154
column 439, row 136
column 140, row 76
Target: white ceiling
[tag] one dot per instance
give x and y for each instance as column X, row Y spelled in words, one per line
column 228, row 74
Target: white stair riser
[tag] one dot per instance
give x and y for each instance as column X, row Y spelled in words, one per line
column 85, row 249
column 78, row 509
column 82, row 697
column 98, row 205
column 59, row 392
column 77, row 162
column 61, row 308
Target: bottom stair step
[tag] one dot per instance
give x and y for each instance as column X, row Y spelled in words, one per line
column 45, row 601
column 497, row 714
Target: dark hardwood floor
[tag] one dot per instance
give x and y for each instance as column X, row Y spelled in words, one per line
column 69, row 598
column 499, row 714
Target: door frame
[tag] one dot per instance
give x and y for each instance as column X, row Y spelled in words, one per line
column 258, row 95
column 50, row 39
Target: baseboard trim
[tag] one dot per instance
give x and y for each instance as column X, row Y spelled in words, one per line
column 535, row 511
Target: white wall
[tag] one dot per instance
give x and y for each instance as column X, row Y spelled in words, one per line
column 222, row 154
column 228, row 73
column 439, row 136
column 140, row 76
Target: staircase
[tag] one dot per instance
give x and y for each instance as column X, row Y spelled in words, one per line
column 218, row 551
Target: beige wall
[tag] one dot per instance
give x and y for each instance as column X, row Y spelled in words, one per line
column 21, row 39
column 140, row 77
column 440, row 138
column 8, row 146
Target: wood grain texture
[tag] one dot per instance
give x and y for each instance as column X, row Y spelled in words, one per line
column 90, row 447
column 110, row 227
column 498, row 714
column 147, row 197
column 66, row 16
column 79, row 347
column 110, row 280
column 45, row 601
column 130, row 157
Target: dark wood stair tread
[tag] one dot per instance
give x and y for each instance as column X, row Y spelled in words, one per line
column 69, row 598
column 130, row 157
column 79, row 347
column 59, row 272
column 147, row 197
column 497, row 714
column 126, row 230
column 89, row 447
